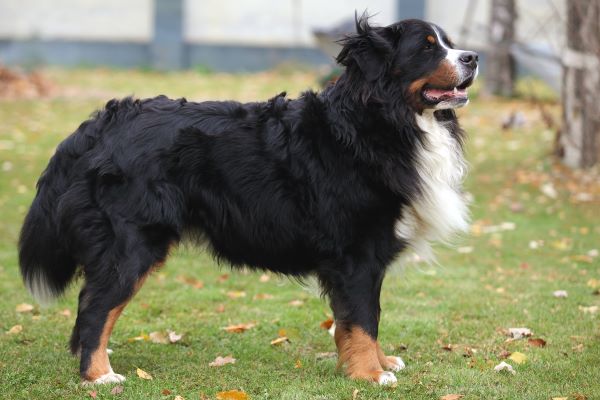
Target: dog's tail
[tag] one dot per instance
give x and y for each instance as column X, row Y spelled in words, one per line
column 46, row 265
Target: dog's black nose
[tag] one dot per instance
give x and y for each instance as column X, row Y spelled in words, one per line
column 469, row 58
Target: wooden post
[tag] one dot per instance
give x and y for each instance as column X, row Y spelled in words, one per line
column 500, row 66
column 580, row 134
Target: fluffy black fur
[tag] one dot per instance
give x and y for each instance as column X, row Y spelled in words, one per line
column 313, row 185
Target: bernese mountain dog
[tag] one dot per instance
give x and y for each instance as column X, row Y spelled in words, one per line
column 333, row 184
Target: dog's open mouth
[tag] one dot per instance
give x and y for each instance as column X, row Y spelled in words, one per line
column 457, row 93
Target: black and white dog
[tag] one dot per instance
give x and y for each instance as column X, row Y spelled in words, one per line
column 333, row 184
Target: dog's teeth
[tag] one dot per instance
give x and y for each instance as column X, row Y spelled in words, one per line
column 455, row 90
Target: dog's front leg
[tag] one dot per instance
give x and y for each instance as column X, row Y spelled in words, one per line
column 354, row 294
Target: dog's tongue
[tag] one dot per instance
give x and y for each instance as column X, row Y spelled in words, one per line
column 438, row 94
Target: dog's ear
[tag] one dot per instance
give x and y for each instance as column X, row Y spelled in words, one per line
column 368, row 49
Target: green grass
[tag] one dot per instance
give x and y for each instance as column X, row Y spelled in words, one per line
column 465, row 300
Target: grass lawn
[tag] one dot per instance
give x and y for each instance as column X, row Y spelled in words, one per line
column 447, row 320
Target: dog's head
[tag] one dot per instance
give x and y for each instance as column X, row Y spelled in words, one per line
column 411, row 58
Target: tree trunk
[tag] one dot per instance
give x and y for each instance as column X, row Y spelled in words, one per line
column 500, row 65
column 580, row 135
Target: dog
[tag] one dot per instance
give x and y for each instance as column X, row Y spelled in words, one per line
column 333, row 184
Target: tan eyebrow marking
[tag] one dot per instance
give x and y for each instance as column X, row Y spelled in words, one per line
column 431, row 39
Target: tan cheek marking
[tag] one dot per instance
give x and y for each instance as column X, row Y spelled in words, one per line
column 358, row 352
column 444, row 75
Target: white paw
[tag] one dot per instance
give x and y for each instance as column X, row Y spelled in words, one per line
column 111, row 377
column 109, row 351
column 387, row 378
column 398, row 363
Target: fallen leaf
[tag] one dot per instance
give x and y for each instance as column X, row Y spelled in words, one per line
column 503, row 366
column 66, row 312
column 15, row 330
column 23, row 308
column 452, row 397
column 158, row 337
column 537, row 342
column 549, row 190
column 117, row 390
column 220, row 308
column 93, row 394
column 578, row 348
column 327, row 323
column 465, row 250
column 263, row 296
column 174, row 337
column 222, row 278
column 143, row 374
column 264, row 278
column 282, row 332
column 232, row 395
column 579, row 396
column 296, row 303
column 279, row 340
column 220, row 361
column 560, row 398
column 354, row 394
column 593, row 283
column 518, row 357
column 447, row 347
column 504, row 354
column 141, row 337
column 165, row 392
column 593, row 253
column 188, row 280
column 178, row 397
column 560, row 293
column 519, row 333
column 298, row 364
column 326, row 355
column 239, row 328
column 236, row 294
column 589, row 310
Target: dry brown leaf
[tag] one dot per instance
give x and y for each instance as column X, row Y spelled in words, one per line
column 66, row 312
column 220, row 361
column 222, row 278
column 93, row 394
column 117, row 390
column 298, row 364
column 239, row 328
column 193, row 282
column 354, row 394
column 23, row 308
column 327, row 323
column 165, row 392
column 15, row 330
column 220, row 308
column 560, row 398
column 538, row 342
column 589, row 310
column 143, row 374
column 279, row 340
column 504, row 354
column 236, row 294
column 452, row 397
column 158, row 337
column 232, row 395
column 178, row 397
column 264, row 278
column 296, row 303
column 263, row 296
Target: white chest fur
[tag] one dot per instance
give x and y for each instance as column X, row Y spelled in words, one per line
column 441, row 209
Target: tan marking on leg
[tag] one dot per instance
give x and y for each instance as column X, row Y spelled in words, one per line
column 358, row 352
column 389, row 362
column 99, row 362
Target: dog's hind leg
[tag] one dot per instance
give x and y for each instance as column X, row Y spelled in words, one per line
column 102, row 300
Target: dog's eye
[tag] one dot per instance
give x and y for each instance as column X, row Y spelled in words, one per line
column 428, row 46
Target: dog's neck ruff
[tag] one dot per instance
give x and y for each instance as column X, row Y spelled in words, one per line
column 440, row 209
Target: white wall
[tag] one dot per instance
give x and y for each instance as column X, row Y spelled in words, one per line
column 268, row 22
column 77, row 19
